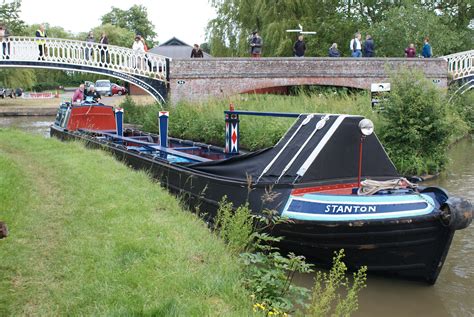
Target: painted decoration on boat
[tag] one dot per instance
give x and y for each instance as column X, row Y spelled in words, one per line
column 321, row 207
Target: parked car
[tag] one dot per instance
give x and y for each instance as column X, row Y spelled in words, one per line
column 103, row 87
column 118, row 90
column 19, row 92
column 7, row 92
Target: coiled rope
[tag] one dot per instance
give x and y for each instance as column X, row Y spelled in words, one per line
column 370, row 186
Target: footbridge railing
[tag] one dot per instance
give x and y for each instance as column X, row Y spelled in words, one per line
column 460, row 65
column 147, row 70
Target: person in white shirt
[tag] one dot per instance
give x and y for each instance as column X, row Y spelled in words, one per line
column 356, row 46
column 138, row 45
column 139, row 48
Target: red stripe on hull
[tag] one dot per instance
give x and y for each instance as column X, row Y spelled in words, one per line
column 336, row 189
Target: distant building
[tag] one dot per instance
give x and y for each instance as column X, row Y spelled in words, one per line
column 173, row 48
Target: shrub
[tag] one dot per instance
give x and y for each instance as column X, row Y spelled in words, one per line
column 463, row 105
column 414, row 128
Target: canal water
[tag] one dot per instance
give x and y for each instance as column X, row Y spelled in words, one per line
column 35, row 124
column 452, row 295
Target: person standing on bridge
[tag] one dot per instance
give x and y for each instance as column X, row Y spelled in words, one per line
column 139, row 49
column 333, row 51
column 426, row 50
column 299, row 47
column 90, row 40
column 5, row 44
column 256, row 43
column 410, row 51
column 104, row 41
column 41, row 36
column 369, row 47
column 197, row 52
column 355, row 45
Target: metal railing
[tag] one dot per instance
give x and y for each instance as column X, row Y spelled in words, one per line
column 460, row 65
column 96, row 55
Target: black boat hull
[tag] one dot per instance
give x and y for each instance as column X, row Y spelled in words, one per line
column 412, row 248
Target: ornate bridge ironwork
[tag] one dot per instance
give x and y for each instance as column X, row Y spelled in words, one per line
column 461, row 68
column 461, row 65
column 148, row 71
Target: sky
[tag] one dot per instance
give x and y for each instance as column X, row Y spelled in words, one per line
column 184, row 19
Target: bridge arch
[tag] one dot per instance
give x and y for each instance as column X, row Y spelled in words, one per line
column 146, row 70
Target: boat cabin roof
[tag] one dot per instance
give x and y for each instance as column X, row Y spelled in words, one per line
column 316, row 148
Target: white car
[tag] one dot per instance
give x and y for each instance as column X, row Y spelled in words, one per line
column 103, row 87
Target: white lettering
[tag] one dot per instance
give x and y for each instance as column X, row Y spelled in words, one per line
column 335, row 209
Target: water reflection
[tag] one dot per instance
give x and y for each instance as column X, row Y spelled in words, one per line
column 33, row 124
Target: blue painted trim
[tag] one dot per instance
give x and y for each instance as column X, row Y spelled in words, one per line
column 163, row 115
column 352, row 208
column 119, row 121
column 264, row 114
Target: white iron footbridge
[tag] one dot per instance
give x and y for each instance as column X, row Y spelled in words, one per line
column 461, row 68
column 146, row 70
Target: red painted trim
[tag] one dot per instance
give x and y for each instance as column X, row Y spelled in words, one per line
column 325, row 188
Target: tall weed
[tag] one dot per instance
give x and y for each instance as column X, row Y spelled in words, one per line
column 269, row 275
column 327, row 299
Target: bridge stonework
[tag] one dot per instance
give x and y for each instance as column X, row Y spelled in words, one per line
column 201, row 79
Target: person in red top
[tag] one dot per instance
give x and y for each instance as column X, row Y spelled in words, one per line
column 145, row 47
column 78, row 94
column 410, row 51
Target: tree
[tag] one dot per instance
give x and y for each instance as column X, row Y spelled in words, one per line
column 393, row 24
column 134, row 19
column 13, row 78
column 10, row 17
column 403, row 26
column 116, row 35
column 57, row 32
column 228, row 33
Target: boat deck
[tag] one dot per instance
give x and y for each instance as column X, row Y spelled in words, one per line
column 176, row 151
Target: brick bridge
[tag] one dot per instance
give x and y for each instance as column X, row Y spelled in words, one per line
column 200, row 79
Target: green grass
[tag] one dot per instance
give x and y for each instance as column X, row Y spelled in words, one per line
column 88, row 236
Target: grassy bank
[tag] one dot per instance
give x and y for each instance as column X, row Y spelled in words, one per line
column 88, row 236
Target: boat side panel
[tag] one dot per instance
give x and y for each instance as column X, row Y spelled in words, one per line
column 92, row 118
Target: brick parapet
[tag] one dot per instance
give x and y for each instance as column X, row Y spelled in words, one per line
column 198, row 79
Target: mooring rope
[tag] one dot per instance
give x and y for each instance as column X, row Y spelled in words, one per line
column 370, row 187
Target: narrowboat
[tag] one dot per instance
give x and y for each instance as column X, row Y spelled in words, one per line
column 328, row 174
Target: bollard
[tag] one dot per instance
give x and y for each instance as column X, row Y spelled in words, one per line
column 232, row 135
column 163, row 116
column 119, row 121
